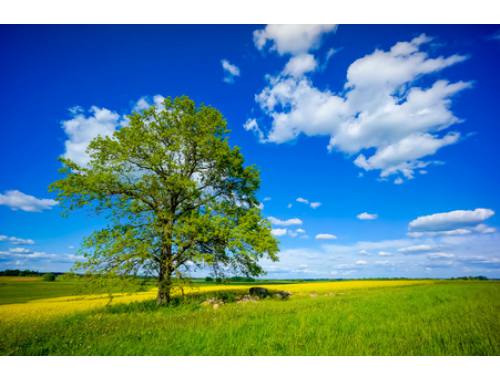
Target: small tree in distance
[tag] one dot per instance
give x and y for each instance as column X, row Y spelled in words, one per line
column 176, row 195
column 49, row 277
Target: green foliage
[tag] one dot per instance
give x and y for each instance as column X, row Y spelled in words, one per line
column 445, row 318
column 209, row 279
column 49, row 277
column 176, row 195
column 19, row 273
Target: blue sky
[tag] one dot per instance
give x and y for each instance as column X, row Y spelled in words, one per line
column 387, row 135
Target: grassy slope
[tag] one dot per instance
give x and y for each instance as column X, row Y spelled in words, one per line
column 446, row 318
column 23, row 289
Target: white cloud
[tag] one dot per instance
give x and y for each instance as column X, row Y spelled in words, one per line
column 279, row 231
column 361, row 262
column 145, row 102
column 141, row 105
column 19, row 250
column 366, row 216
column 16, row 200
column 313, row 205
column 287, row 222
column 484, row 229
column 37, row 260
column 298, row 65
column 450, row 256
column 252, row 126
column 455, row 232
column 384, row 253
column 325, row 237
column 230, row 71
column 291, row 39
column 267, row 199
column 260, row 206
column 381, row 114
column 399, row 180
column 16, row 240
column 297, row 232
column 439, row 255
column 480, row 229
column 416, row 248
column 82, row 129
column 449, row 221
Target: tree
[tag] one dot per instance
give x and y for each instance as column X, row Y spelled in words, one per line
column 176, row 195
column 49, row 277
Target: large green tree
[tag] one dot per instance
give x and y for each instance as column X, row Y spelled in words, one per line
column 176, row 194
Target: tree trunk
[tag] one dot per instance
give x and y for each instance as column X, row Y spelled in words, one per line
column 164, row 287
column 165, row 277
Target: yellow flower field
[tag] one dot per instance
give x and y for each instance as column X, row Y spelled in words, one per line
column 47, row 308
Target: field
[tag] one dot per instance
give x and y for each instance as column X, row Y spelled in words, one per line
column 393, row 317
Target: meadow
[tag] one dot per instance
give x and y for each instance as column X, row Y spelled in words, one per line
column 372, row 317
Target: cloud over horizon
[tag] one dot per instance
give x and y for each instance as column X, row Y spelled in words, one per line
column 383, row 117
column 17, row 200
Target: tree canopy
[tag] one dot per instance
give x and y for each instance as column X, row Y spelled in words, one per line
column 176, row 194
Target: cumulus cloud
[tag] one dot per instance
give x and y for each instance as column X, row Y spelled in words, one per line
column 287, row 222
column 16, row 240
column 16, row 200
column 366, row 216
column 38, row 260
column 299, row 232
column 145, row 102
column 252, row 126
column 458, row 222
column 230, row 71
column 20, row 250
column 448, row 256
column 279, row 231
column 82, row 128
column 291, row 39
column 440, row 255
column 382, row 116
column 299, row 65
column 313, row 205
column 416, row 248
column 325, row 237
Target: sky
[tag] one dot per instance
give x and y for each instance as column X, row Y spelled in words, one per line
column 377, row 145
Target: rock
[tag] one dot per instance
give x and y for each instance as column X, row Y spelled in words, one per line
column 247, row 298
column 214, row 302
column 282, row 295
column 259, row 292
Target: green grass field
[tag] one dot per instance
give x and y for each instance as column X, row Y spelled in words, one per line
column 337, row 318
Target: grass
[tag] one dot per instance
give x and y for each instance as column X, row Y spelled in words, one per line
column 321, row 318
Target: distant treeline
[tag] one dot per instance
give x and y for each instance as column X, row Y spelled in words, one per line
column 230, row 279
column 25, row 273
column 31, row 273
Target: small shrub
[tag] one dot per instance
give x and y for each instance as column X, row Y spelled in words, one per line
column 49, row 277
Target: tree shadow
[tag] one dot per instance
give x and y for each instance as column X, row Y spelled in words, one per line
column 193, row 301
